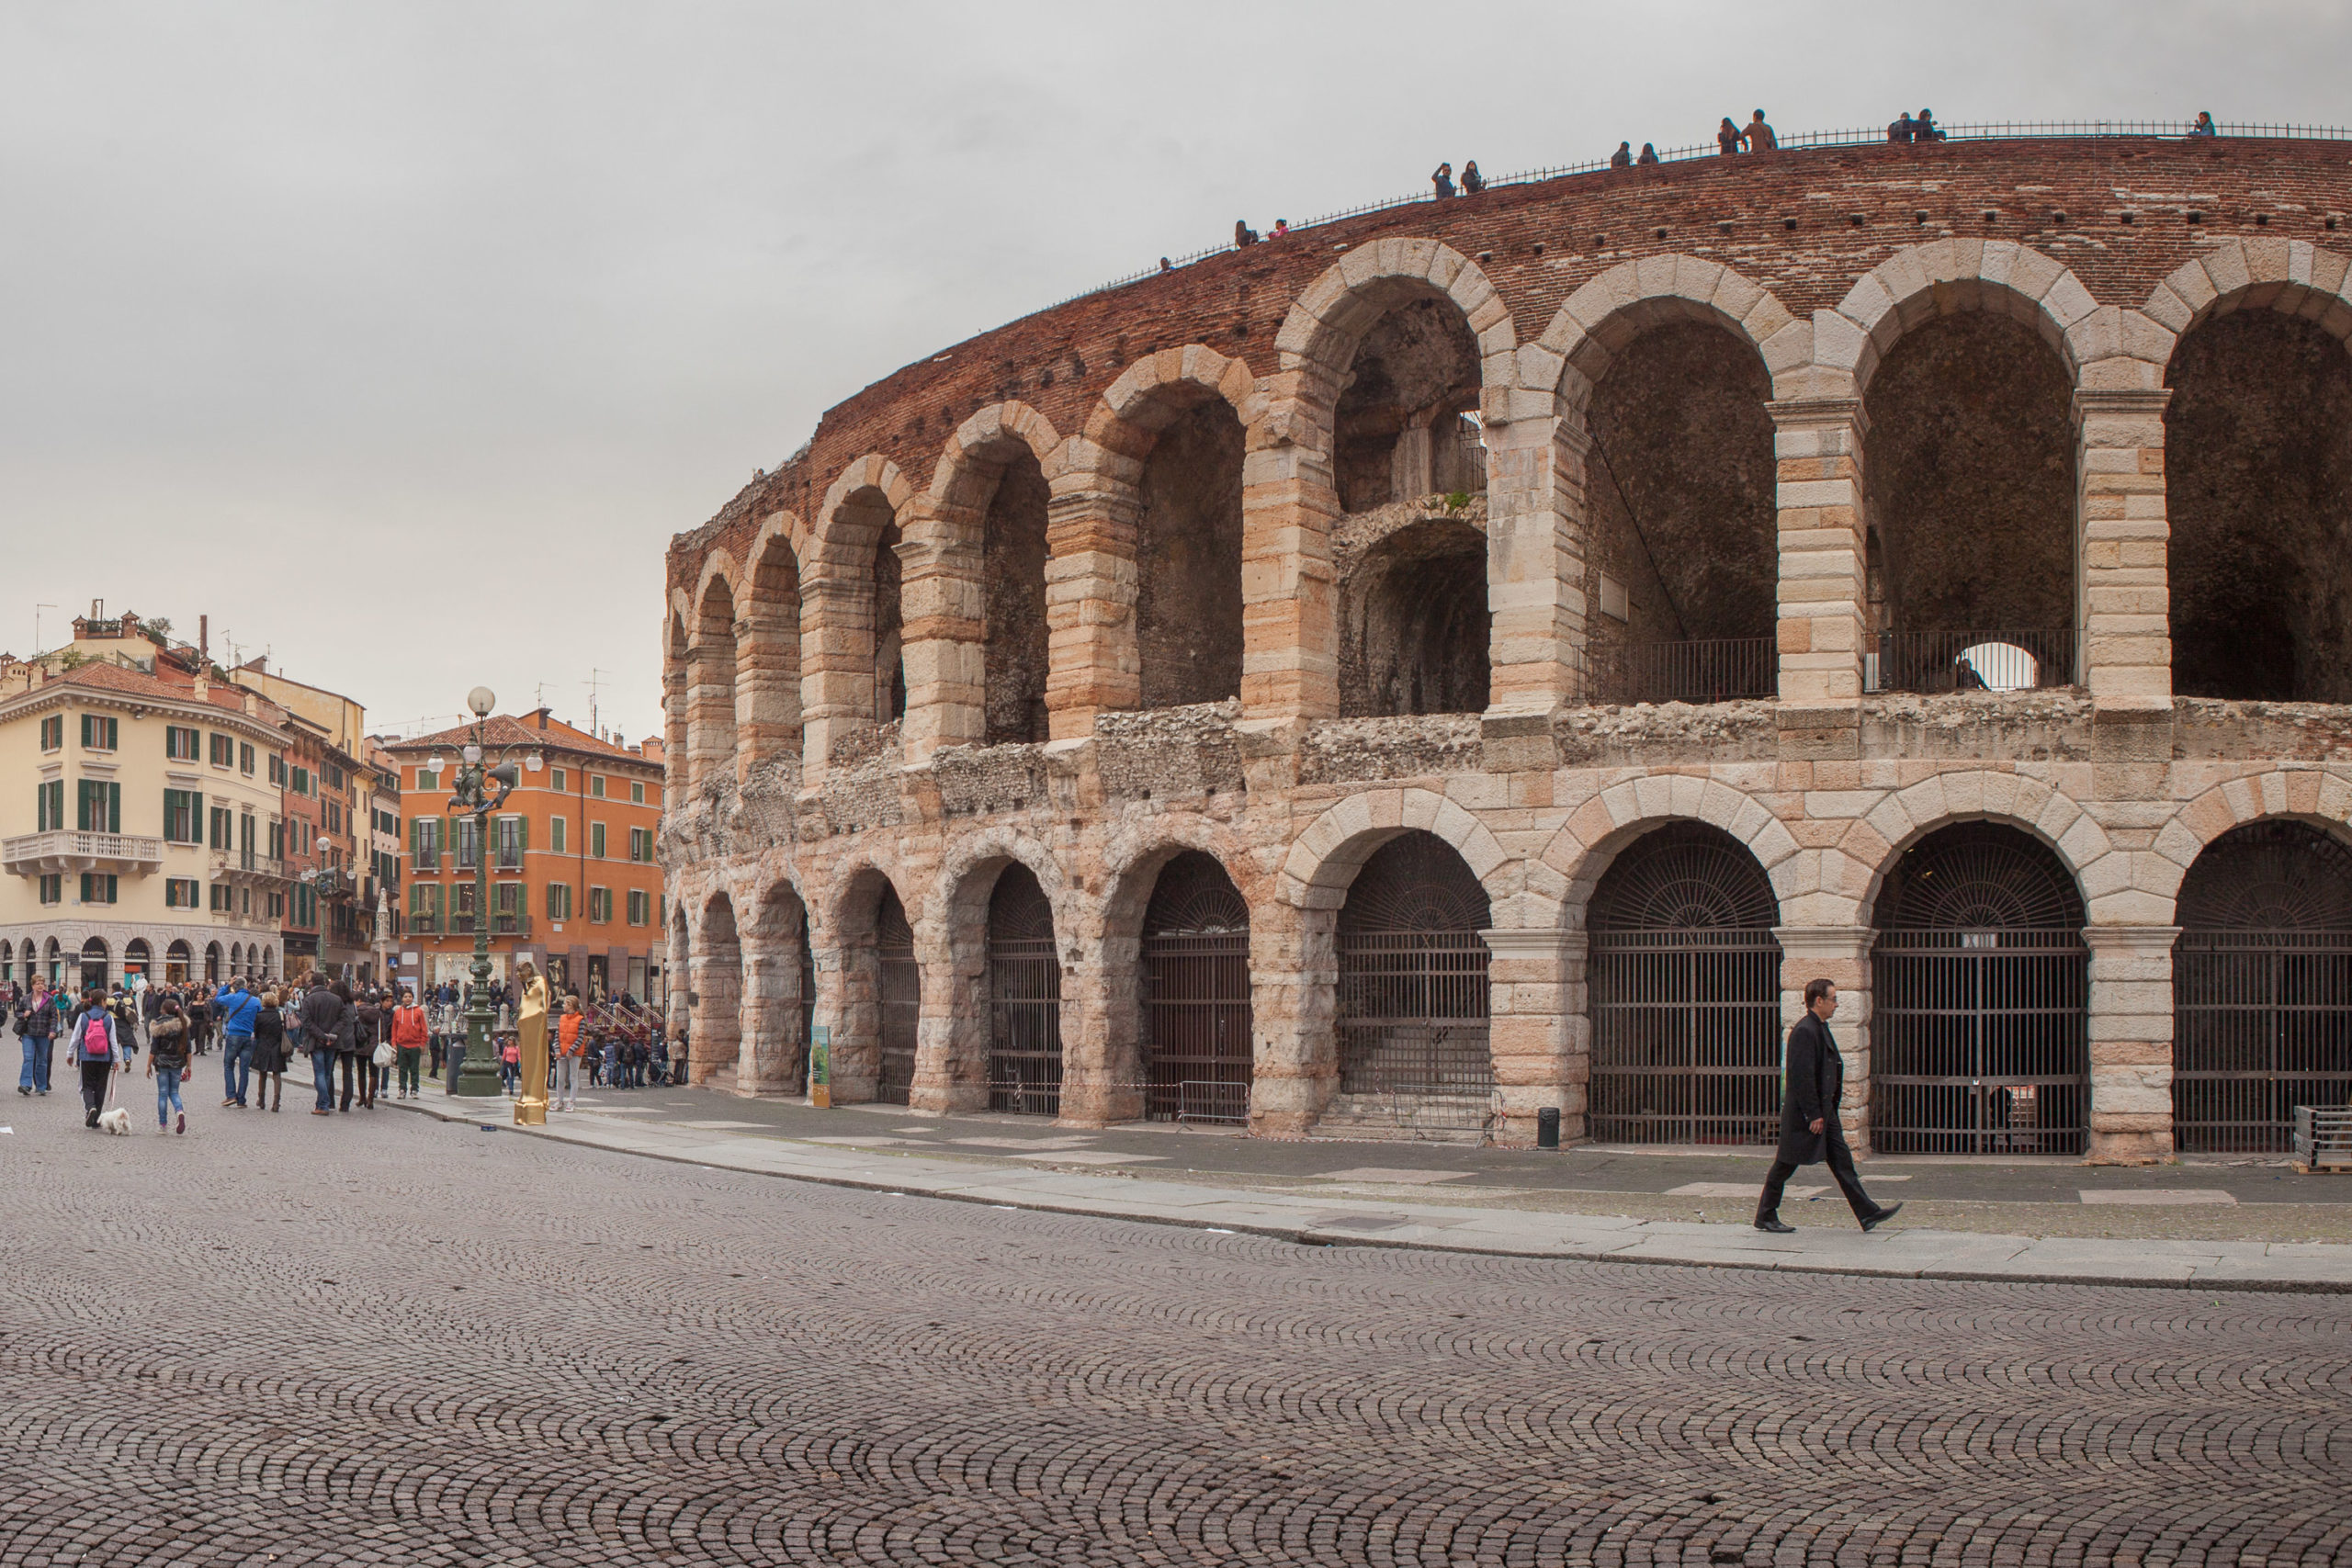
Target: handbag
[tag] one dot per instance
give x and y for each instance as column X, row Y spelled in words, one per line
column 383, row 1057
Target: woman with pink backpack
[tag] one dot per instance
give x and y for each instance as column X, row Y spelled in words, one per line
column 98, row 1048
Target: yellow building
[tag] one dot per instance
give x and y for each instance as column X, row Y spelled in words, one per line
column 144, row 829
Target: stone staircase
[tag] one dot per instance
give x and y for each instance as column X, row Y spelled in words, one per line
column 1407, row 1119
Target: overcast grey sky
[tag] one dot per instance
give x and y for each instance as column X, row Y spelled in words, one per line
column 401, row 337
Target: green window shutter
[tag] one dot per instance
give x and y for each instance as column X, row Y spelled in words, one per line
column 83, row 809
column 196, row 816
column 114, row 811
column 523, row 834
column 85, row 731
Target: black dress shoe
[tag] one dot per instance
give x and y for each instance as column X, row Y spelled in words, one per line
column 1881, row 1218
column 1776, row 1228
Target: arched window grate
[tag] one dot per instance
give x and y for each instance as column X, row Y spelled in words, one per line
column 1024, row 999
column 1980, row 1042
column 2262, row 987
column 1413, row 1003
column 1196, row 1020
column 1684, row 978
column 901, row 983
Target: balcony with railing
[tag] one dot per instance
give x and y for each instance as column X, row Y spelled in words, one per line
column 502, row 923
column 246, row 869
column 1708, row 670
column 2036, row 658
column 62, row 850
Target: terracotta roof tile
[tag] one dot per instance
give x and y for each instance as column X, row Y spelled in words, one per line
column 503, row 729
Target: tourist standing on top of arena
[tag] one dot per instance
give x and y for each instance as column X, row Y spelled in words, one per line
column 2204, row 126
column 1473, row 182
column 1727, row 137
column 1759, row 135
column 1442, row 180
column 1624, row 157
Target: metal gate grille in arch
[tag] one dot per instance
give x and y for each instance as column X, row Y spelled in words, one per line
column 1413, row 1003
column 1196, row 1023
column 1024, row 999
column 1684, row 975
column 1980, row 1043
column 900, row 982
column 2262, row 987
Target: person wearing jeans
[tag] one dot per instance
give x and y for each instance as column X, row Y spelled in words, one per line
column 409, row 1034
column 570, row 1043
column 237, row 1008
column 168, row 1040
column 96, row 1047
column 36, row 1020
column 322, row 1012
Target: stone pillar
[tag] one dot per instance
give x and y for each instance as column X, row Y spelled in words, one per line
column 676, row 757
column 770, row 1013
column 1090, row 577
column 945, row 607
column 952, row 1041
column 1531, row 976
column 767, row 686
column 1409, row 464
column 715, row 982
column 1840, row 954
column 1290, row 636
column 1293, row 995
column 1097, row 1088
column 2131, row 1040
column 1824, row 582
column 1535, row 518
column 711, row 711
column 836, row 663
column 2123, row 593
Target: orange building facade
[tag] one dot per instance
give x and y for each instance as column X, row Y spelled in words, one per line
column 573, row 883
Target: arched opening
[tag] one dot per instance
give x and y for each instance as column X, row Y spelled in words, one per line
column 175, row 963
column 53, row 963
column 1979, row 977
column 1012, row 580
column 711, row 702
column 1188, row 561
column 269, row 963
column 1403, row 429
column 1684, row 976
column 901, row 986
column 1969, row 468
column 94, row 958
column 136, row 955
column 717, row 993
column 781, row 1009
column 2258, row 460
column 1413, row 1003
column 1682, row 562
column 8, row 962
column 1197, row 1022
column 1414, row 625
column 889, row 631
column 212, row 963
column 2261, row 987
column 236, row 960
column 1024, row 998
column 768, row 677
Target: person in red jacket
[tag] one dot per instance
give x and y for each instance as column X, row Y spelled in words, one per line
column 408, row 1042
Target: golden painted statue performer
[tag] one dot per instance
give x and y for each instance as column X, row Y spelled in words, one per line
column 531, row 1031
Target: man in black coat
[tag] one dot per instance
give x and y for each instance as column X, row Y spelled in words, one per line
column 1814, row 1078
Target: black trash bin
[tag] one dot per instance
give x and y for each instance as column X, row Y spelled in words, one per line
column 1547, row 1128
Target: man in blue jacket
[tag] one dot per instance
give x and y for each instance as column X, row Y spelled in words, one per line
column 236, row 1007
column 1814, row 1078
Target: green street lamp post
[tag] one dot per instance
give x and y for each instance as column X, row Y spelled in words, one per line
column 482, row 788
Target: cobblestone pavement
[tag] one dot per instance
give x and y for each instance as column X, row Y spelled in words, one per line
column 392, row 1339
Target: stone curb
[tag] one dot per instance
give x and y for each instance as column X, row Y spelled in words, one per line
column 1589, row 1238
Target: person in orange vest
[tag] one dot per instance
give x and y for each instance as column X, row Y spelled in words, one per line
column 570, row 1043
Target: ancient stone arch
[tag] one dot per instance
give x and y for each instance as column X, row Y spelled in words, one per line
column 851, row 610
column 712, row 660
column 1594, row 834
column 1326, row 857
column 1920, row 283
column 2291, row 276
column 2305, row 794
column 767, row 654
column 1599, row 319
column 2104, row 875
column 1331, row 315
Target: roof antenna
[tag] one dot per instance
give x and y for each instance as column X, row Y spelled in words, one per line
column 594, row 675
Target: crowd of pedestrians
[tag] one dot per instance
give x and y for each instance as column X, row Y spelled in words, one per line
column 362, row 1041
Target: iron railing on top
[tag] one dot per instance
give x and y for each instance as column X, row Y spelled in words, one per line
column 2036, row 658
column 1982, row 131
column 1708, row 670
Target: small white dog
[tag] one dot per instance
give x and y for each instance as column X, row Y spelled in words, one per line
column 116, row 1121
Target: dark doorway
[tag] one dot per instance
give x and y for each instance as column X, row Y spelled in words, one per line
column 1024, row 998
column 1980, row 1042
column 1685, row 981
column 2262, row 987
column 1196, row 1020
column 1413, row 1003
column 1414, row 624
column 2258, row 492
column 1012, row 572
column 1188, row 561
column 901, row 997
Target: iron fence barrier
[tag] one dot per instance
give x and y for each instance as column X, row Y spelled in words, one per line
column 1686, row 1036
column 2261, row 1026
column 2034, row 658
column 2323, row 1137
column 1980, row 1042
column 1793, row 141
column 1705, row 670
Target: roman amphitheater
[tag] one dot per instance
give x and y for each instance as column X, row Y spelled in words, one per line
column 1480, row 658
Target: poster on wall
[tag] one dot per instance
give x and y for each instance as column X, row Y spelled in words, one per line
column 820, row 1066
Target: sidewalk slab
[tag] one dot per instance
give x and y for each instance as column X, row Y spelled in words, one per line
column 1331, row 1218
